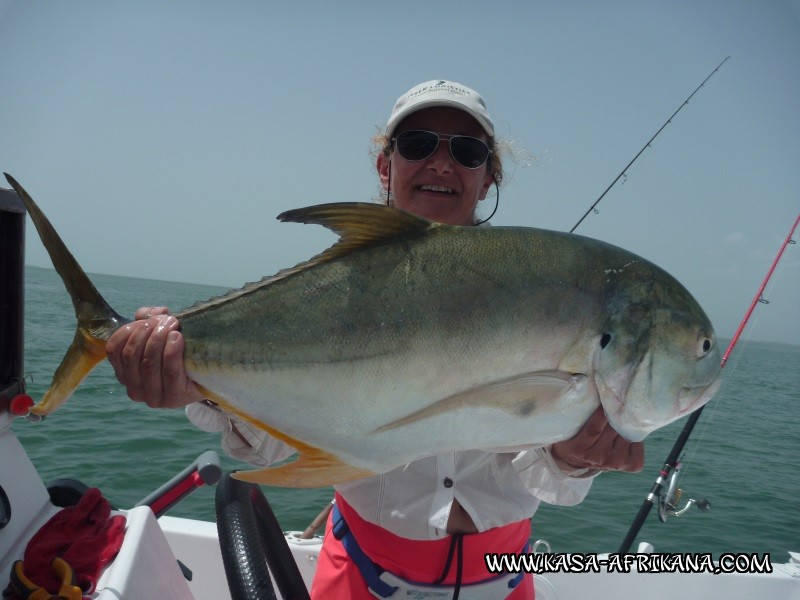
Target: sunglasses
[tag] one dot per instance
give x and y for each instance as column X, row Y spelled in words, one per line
column 469, row 152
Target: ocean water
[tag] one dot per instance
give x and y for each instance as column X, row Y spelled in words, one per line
column 744, row 455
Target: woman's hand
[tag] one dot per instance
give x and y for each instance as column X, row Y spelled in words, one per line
column 598, row 446
column 147, row 356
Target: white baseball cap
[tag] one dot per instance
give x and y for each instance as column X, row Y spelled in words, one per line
column 440, row 93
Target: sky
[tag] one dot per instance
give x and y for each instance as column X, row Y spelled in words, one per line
column 163, row 138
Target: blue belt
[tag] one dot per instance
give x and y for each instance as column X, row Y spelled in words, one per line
column 372, row 572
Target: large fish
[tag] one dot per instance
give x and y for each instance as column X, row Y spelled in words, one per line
column 409, row 338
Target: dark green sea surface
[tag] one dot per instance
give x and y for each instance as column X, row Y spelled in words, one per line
column 744, row 455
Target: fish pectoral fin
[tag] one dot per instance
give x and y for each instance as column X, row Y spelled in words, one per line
column 521, row 395
column 314, row 468
column 82, row 356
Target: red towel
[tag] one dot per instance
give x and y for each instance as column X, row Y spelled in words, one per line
column 86, row 536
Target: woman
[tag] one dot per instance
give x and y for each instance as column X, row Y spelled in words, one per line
column 430, row 522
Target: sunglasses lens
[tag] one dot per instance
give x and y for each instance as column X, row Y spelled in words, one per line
column 417, row 145
column 469, row 152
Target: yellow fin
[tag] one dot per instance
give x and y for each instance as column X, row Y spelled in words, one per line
column 312, row 470
column 96, row 319
column 359, row 225
column 314, row 467
column 83, row 355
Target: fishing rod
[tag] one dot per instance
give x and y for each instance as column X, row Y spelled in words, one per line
column 647, row 145
column 677, row 448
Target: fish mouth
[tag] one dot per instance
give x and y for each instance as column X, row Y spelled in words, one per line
column 693, row 397
column 633, row 424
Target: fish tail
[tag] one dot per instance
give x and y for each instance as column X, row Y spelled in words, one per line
column 96, row 319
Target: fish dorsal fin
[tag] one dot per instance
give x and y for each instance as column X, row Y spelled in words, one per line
column 359, row 225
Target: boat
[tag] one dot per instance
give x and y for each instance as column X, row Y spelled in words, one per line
column 245, row 555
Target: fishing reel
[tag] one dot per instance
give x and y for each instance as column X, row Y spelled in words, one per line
column 668, row 501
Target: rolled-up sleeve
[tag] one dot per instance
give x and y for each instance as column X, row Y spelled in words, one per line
column 240, row 440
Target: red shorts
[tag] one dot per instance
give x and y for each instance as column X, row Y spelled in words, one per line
column 415, row 560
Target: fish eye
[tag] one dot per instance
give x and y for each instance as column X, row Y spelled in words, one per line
column 704, row 347
column 605, row 340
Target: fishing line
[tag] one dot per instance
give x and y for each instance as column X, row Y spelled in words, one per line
column 677, row 448
column 714, row 405
column 593, row 207
column 711, row 411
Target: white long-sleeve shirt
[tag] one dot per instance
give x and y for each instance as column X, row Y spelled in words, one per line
column 414, row 501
